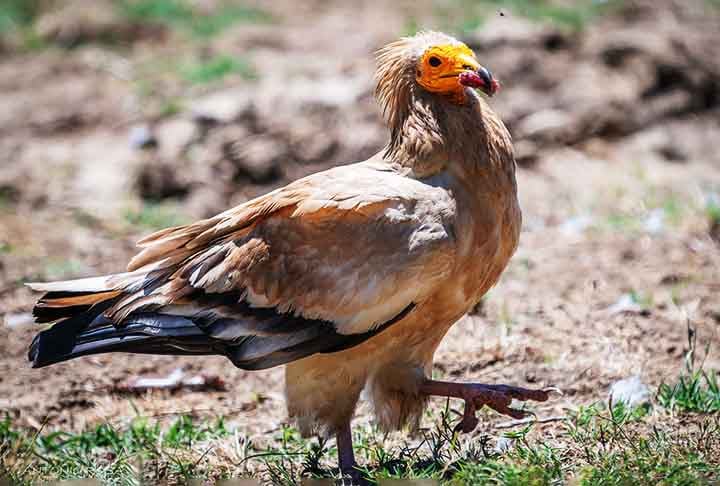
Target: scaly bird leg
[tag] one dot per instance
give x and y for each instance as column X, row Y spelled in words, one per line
column 475, row 395
column 346, row 456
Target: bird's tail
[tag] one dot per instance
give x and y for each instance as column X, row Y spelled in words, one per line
column 76, row 307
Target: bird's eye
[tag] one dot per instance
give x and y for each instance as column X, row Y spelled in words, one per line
column 435, row 61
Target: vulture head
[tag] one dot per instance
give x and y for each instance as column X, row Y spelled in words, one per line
column 433, row 62
column 427, row 90
column 448, row 69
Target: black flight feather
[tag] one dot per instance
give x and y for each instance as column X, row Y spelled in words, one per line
column 253, row 339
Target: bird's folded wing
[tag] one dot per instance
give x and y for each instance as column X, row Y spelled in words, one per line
column 353, row 247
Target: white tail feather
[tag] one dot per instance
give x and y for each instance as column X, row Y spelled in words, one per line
column 91, row 284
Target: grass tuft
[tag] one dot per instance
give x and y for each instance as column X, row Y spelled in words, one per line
column 107, row 453
column 712, row 208
column 598, row 445
column 573, row 16
column 182, row 15
column 696, row 392
column 607, row 444
column 152, row 216
column 18, row 14
column 218, row 68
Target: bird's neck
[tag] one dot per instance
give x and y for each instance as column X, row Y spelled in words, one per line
column 435, row 135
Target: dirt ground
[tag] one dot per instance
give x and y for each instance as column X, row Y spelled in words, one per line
column 616, row 127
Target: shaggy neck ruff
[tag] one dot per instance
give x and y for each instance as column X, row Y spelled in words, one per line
column 430, row 133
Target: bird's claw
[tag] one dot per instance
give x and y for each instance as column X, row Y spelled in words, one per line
column 352, row 477
column 499, row 398
column 469, row 420
column 553, row 389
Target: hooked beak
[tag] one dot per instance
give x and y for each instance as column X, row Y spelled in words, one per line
column 473, row 75
column 481, row 79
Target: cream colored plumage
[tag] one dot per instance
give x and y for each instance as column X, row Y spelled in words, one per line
column 351, row 276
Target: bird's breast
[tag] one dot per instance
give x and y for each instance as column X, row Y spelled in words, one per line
column 489, row 228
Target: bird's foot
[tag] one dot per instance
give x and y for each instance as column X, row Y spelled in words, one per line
column 351, row 477
column 475, row 395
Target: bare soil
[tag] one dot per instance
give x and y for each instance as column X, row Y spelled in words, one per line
column 616, row 128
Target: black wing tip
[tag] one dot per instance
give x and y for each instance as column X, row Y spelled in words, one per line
column 33, row 351
column 39, row 354
column 45, row 315
column 144, row 333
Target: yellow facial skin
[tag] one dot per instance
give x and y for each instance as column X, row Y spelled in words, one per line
column 439, row 67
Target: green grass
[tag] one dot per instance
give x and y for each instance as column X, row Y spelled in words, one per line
column 170, row 106
column 17, row 14
column 60, row 268
column 673, row 209
column 624, row 222
column 182, row 15
column 712, row 210
column 695, row 392
column 597, row 445
column 656, row 458
column 109, row 454
column 151, row 216
column 17, row 17
column 162, row 82
column 575, row 15
column 568, row 15
column 8, row 196
column 674, row 443
column 217, row 68
column 617, row 448
column 16, row 22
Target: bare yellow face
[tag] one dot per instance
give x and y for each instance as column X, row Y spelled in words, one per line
column 448, row 69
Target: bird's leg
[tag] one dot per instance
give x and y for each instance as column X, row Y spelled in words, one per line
column 475, row 395
column 346, row 456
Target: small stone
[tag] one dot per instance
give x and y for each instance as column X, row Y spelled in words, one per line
column 544, row 124
column 576, row 225
column 625, row 304
column 655, row 221
column 632, row 391
column 256, row 158
column 526, row 153
column 19, row 319
column 174, row 136
column 157, row 180
column 503, row 445
column 222, row 107
column 141, row 137
column 504, row 30
column 318, row 148
column 672, row 153
column 335, row 92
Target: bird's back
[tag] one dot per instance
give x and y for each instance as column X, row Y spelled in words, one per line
column 317, row 266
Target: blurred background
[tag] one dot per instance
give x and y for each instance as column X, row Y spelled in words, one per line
column 120, row 117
